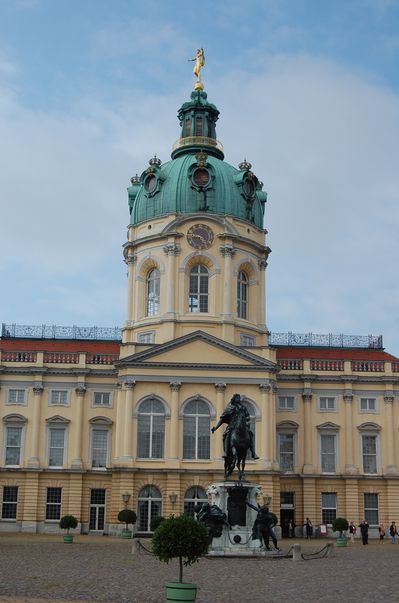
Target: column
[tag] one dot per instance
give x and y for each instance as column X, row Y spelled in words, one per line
column 261, row 296
column 130, row 261
column 173, row 431
column 389, row 427
column 128, row 427
column 349, row 465
column 352, row 510
column 217, row 446
column 34, row 461
column 227, row 252
column 309, row 501
column 308, row 466
column 77, row 462
column 119, row 421
column 264, row 444
column 171, row 250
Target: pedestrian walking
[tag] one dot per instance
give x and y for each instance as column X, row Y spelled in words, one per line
column 381, row 531
column 364, row 529
column 291, row 529
column 352, row 532
column 309, row 528
column 393, row 532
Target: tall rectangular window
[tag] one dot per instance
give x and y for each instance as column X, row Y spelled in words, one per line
column 371, row 508
column 99, row 448
column 198, row 126
column 13, row 445
column 10, row 501
column 53, row 504
column 286, row 403
column 328, row 507
column 56, row 447
column 368, row 405
column 59, row 396
column 328, row 453
column 286, row 443
column 16, row 396
column 369, row 453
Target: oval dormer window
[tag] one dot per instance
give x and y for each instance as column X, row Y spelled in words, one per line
column 150, row 183
column 201, row 177
column 249, row 187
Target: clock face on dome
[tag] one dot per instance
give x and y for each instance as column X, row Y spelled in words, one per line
column 200, row 236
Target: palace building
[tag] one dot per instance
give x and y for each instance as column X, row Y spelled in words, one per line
column 96, row 419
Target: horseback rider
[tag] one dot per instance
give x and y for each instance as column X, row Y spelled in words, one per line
column 229, row 416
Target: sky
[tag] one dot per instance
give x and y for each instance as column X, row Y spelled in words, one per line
column 308, row 92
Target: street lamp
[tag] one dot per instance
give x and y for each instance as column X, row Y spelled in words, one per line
column 173, row 498
column 126, row 498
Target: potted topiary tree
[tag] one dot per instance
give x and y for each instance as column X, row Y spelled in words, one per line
column 66, row 523
column 183, row 538
column 127, row 516
column 340, row 524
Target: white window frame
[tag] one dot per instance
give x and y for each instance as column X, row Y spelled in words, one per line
column 22, row 402
column 328, row 408
column 51, row 427
column 242, row 295
column 285, row 407
column 197, row 417
column 377, row 508
column 5, row 502
column 196, row 294
column 247, row 341
column 56, row 520
column 104, row 428
column 101, row 393
column 146, row 337
column 285, row 432
column 54, row 391
column 153, row 292
column 334, row 434
column 12, row 425
column 328, row 508
column 368, row 399
column 144, row 413
column 376, row 435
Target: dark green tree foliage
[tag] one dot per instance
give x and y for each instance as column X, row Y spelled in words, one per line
column 340, row 524
column 127, row 516
column 155, row 522
column 67, row 522
column 180, row 537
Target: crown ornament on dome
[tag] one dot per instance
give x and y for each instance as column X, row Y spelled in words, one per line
column 135, row 179
column 155, row 161
column 201, row 158
column 244, row 166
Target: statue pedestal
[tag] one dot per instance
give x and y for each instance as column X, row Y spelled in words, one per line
column 231, row 497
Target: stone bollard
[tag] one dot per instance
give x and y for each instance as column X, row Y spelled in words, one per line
column 296, row 552
column 330, row 547
column 135, row 546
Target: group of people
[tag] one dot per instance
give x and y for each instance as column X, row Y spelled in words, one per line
column 364, row 532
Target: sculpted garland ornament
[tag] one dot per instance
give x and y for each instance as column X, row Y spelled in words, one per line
column 200, row 236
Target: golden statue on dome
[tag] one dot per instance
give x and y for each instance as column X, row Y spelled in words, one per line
column 199, row 63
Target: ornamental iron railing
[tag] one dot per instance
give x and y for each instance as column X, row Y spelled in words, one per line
column 330, row 340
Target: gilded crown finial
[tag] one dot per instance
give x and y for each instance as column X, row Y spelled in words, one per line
column 199, row 63
column 135, row 179
column 244, row 166
column 155, row 161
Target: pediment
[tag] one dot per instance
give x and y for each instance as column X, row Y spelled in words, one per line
column 198, row 350
column 369, row 426
column 328, row 426
column 57, row 419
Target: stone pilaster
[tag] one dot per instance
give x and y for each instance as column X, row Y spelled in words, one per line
column 171, row 250
column 348, row 401
column 174, row 436
column 34, row 461
column 220, row 403
column 227, row 251
column 130, row 261
column 128, row 426
column 77, row 461
column 389, row 427
column 308, row 466
column 119, row 422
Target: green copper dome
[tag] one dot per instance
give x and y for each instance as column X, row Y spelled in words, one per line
column 197, row 180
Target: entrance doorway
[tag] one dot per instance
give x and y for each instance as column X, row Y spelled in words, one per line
column 287, row 512
column 97, row 510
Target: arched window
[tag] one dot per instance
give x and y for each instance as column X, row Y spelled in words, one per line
column 198, row 295
column 153, row 292
column 151, row 429
column 149, row 506
column 196, row 430
column 242, row 295
column 250, row 408
column 194, row 496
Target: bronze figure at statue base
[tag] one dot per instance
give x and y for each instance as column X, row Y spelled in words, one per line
column 238, row 521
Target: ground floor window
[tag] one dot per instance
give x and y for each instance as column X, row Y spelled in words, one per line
column 194, row 496
column 97, row 509
column 328, row 507
column 10, row 500
column 149, row 506
column 53, row 503
column 371, row 508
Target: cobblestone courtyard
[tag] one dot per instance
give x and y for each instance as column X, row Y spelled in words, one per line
column 37, row 569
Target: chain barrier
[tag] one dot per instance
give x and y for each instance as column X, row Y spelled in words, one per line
column 316, row 555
